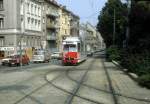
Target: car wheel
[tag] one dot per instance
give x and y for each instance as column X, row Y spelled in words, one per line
column 10, row 64
column 27, row 63
column 18, row 64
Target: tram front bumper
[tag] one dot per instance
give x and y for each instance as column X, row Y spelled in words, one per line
column 70, row 60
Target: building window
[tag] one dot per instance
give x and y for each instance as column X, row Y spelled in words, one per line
column 1, row 5
column 65, row 31
column 35, row 10
column 43, row 20
column 31, row 8
column 39, row 22
column 35, row 22
column 28, row 6
column 1, row 23
column 2, row 41
column 28, row 20
column 39, row 14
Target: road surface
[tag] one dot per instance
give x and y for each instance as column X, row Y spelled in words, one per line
column 94, row 81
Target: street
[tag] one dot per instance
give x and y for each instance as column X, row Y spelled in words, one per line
column 94, row 81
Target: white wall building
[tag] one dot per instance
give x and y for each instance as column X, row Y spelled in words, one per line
column 21, row 22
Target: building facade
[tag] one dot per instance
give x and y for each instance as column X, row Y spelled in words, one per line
column 91, row 38
column 58, row 24
column 51, row 21
column 74, row 25
column 34, row 24
column 20, row 24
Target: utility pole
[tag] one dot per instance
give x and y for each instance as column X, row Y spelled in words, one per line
column 128, row 29
column 114, row 27
column 22, row 30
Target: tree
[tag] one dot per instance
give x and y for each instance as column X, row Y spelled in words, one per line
column 105, row 23
column 139, row 41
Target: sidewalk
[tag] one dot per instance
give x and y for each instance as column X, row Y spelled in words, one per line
column 126, row 89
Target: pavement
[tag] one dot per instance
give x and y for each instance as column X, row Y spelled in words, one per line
column 52, row 83
column 125, row 90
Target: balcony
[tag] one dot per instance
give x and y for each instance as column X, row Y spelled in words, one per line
column 51, row 37
column 51, row 13
column 52, row 25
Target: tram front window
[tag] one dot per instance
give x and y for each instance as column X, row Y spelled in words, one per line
column 38, row 52
column 70, row 48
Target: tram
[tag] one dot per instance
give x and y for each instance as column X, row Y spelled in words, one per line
column 72, row 53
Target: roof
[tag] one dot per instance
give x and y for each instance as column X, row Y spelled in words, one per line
column 72, row 39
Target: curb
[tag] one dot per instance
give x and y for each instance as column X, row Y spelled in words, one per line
column 131, row 75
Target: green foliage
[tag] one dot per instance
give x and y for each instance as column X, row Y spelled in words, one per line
column 139, row 38
column 136, row 57
column 137, row 63
column 144, row 80
column 113, row 53
column 105, row 24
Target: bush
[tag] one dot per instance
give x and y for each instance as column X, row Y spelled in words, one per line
column 144, row 80
column 136, row 63
column 113, row 53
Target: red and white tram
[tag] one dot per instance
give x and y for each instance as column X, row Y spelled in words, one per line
column 72, row 53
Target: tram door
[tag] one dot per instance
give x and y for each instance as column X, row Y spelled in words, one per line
column 79, row 47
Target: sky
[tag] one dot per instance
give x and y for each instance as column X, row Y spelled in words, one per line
column 87, row 10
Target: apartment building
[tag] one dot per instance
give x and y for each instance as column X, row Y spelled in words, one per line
column 20, row 25
column 51, row 16
column 59, row 23
column 91, row 38
column 74, row 25
column 34, row 24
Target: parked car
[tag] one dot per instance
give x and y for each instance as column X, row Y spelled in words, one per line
column 56, row 55
column 41, row 56
column 17, row 60
column 5, row 61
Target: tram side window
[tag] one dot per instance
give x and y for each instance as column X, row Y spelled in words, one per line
column 79, row 48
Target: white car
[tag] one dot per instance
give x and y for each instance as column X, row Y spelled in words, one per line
column 5, row 61
column 41, row 56
column 56, row 55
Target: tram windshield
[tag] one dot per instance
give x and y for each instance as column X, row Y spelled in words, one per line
column 70, row 48
column 38, row 52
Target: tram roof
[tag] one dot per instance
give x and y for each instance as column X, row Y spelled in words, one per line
column 73, row 39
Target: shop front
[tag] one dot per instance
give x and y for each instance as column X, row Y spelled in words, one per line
column 6, row 51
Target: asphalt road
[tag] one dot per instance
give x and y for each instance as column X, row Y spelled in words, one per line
column 31, row 65
column 94, row 81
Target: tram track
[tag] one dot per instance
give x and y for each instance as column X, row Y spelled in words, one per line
column 102, row 90
column 75, row 90
column 40, row 87
column 73, row 93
